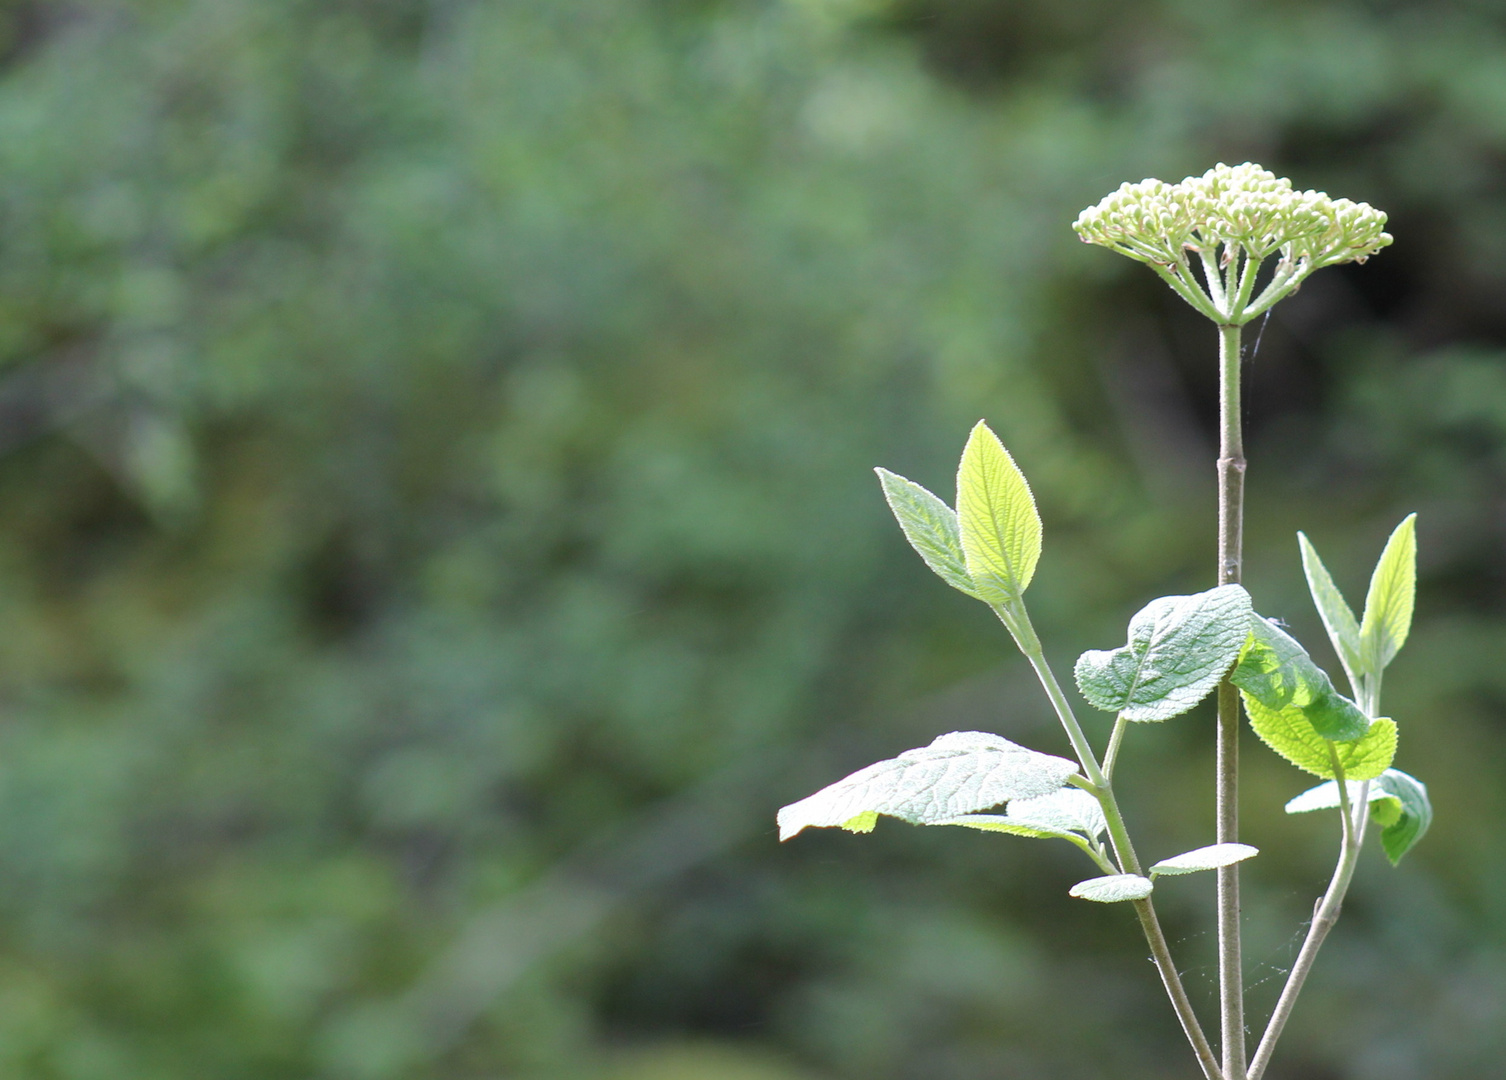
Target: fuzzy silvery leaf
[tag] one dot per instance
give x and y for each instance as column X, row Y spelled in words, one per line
column 1069, row 810
column 1326, row 797
column 1001, row 530
column 1179, row 648
column 1113, row 888
column 1289, row 732
column 931, row 527
column 959, row 773
column 1338, row 618
column 1388, row 604
column 1276, row 671
column 1204, row 858
column 1001, row 824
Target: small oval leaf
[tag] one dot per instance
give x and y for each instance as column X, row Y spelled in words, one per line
column 1204, row 858
column 1113, row 888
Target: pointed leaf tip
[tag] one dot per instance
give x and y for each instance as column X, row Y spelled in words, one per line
column 1338, row 618
column 1388, row 604
column 1204, row 858
column 997, row 517
column 931, row 527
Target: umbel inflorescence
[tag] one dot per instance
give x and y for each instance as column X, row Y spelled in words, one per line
column 1232, row 219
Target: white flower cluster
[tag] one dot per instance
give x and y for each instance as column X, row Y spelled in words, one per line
column 1229, row 212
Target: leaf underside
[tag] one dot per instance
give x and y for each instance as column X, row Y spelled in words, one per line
column 996, row 515
column 959, row 773
column 1204, row 858
column 931, row 527
column 1179, row 648
column 1113, row 888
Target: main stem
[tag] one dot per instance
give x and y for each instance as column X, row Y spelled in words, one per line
column 1231, row 496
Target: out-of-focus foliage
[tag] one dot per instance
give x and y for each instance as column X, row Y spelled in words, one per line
column 436, row 526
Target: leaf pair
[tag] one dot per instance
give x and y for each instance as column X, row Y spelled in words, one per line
column 1117, row 887
column 1365, row 646
column 1398, row 803
column 989, row 546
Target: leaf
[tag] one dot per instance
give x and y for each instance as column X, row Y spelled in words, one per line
column 931, row 527
column 1326, row 797
column 1388, row 605
column 1002, row 824
column 1179, row 648
column 1204, row 858
column 1068, row 810
column 1276, row 671
column 1338, row 619
column 1114, row 888
column 1407, row 826
column 1288, row 732
column 1001, row 530
column 956, row 774
column 862, row 823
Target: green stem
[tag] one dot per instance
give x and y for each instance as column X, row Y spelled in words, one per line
column 1325, row 914
column 1017, row 619
column 1111, row 756
column 1231, row 481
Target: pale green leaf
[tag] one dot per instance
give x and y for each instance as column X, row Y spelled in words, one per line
column 1001, row 530
column 1388, row 605
column 1001, row 824
column 1113, row 888
column 1277, row 672
column 931, row 527
column 1179, row 648
column 862, row 823
column 1289, row 732
column 1326, row 797
column 959, row 773
column 1338, row 619
column 1407, row 826
column 1204, row 858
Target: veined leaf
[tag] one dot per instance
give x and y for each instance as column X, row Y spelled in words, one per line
column 931, row 527
column 1289, row 732
column 1113, row 888
column 1338, row 619
column 957, row 774
column 1277, row 672
column 1411, row 816
column 1001, row 530
column 1388, row 605
column 1204, row 858
column 1068, row 810
column 1179, row 648
column 1326, row 797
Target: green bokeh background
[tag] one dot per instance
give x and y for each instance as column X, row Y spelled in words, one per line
column 436, row 526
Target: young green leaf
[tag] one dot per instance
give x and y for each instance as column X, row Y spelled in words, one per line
column 1179, row 648
column 957, row 774
column 1388, row 605
column 1338, row 619
column 1204, row 858
column 931, row 527
column 1409, row 819
column 1277, row 672
column 1001, row 530
column 1289, row 732
column 1114, row 888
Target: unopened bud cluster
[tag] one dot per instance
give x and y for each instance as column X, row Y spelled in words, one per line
column 1229, row 212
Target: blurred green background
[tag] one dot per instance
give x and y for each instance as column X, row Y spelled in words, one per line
column 436, row 526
